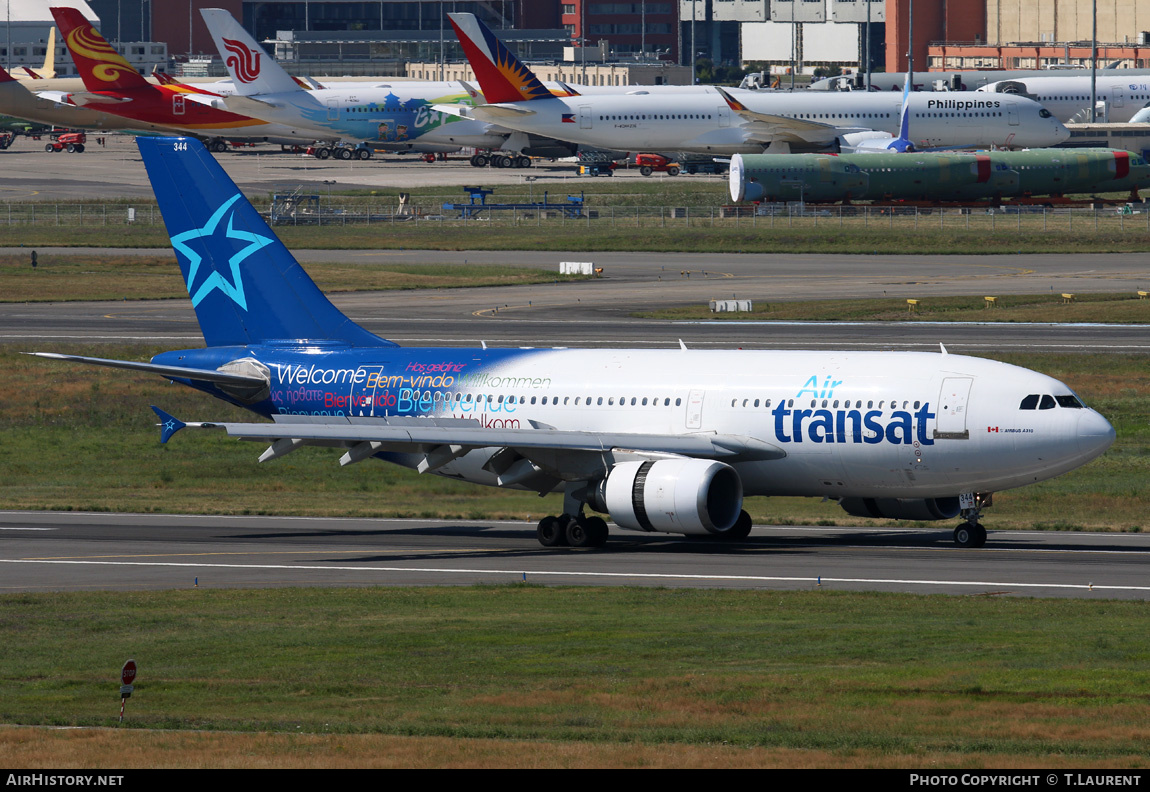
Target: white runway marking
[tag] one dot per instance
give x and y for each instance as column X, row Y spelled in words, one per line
column 517, row 574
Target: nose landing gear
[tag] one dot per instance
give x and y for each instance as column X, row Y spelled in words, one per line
column 971, row 533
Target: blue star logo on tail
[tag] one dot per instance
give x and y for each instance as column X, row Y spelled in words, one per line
column 235, row 289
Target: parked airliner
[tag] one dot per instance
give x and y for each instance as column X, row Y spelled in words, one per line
column 668, row 440
column 1067, row 96
column 739, row 122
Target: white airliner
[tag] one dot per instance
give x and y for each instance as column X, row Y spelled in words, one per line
column 739, row 122
column 666, row 440
column 1067, row 96
column 392, row 115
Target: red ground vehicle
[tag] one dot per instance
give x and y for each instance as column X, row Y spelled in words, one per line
column 649, row 163
column 72, row 142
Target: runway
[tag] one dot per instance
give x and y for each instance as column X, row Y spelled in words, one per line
column 47, row 551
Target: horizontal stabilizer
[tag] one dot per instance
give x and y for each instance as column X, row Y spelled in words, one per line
column 171, row 372
column 169, row 424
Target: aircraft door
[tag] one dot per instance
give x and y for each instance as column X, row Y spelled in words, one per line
column 952, row 408
column 1118, row 97
column 367, row 395
column 1012, row 115
column 584, row 116
column 178, row 105
column 332, row 109
column 694, row 415
column 724, row 116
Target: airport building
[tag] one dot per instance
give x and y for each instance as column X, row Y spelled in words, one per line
column 25, row 26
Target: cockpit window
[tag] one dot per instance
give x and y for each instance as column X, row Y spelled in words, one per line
column 1069, row 401
column 1029, row 402
column 1047, row 402
column 1044, row 113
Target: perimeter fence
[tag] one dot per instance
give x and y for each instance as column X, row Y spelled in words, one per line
column 431, row 214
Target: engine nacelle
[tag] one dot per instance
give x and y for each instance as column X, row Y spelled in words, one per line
column 902, row 508
column 871, row 140
column 687, row 496
column 1011, row 87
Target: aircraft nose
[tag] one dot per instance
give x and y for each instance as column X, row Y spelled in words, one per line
column 1095, row 434
column 1060, row 131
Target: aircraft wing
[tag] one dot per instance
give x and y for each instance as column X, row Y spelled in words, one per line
column 487, row 112
column 80, row 98
column 539, row 456
column 769, row 128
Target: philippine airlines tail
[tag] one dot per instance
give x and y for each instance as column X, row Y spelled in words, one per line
column 253, row 71
column 245, row 286
column 100, row 66
column 501, row 75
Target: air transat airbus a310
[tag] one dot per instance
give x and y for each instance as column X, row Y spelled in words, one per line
column 668, row 440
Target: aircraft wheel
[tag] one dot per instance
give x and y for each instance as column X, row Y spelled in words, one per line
column 597, row 527
column 363, row 153
column 551, row 532
column 322, row 153
column 479, row 161
column 967, row 535
column 219, row 146
column 522, row 162
column 672, row 171
column 741, row 529
column 646, row 170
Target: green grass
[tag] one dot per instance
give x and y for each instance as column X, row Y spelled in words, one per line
column 882, row 676
column 83, row 438
column 95, row 277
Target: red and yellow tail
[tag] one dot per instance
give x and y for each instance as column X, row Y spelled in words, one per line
column 100, row 66
column 501, row 75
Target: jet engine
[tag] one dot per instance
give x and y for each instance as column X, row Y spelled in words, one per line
column 1011, row 87
column 687, row 496
column 902, row 508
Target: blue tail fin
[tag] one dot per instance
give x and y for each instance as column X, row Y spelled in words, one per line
column 244, row 284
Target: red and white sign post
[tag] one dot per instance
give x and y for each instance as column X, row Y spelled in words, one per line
column 127, row 676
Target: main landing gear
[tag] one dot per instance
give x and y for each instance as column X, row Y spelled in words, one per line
column 572, row 531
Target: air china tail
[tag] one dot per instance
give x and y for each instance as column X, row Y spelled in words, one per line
column 665, row 440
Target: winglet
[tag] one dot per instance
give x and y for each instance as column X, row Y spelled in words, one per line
column 501, row 75
column 5, row 76
column 169, row 425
